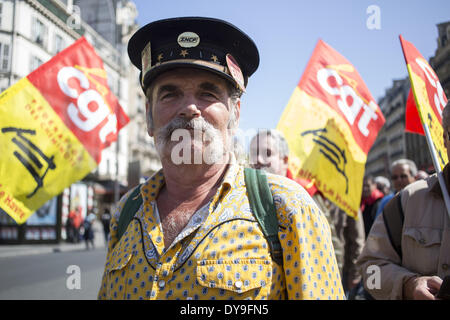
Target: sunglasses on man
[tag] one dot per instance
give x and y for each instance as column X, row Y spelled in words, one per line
column 402, row 176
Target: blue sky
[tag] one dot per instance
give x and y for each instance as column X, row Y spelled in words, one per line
column 286, row 32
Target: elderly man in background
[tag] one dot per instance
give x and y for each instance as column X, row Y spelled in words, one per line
column 403, row 173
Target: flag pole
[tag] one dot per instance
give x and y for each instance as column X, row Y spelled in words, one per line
column 437, row 166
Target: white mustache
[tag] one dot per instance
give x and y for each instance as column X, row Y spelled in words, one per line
column 181, row 123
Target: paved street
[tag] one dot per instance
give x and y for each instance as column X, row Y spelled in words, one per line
column 50, row 271
column 45, row 276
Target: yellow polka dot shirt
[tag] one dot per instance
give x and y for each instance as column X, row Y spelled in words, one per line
column 222, row 253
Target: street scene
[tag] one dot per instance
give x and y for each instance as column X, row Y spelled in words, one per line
column 252, row 151
column 42, row 272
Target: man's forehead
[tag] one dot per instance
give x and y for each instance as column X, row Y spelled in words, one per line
column 186, row 76
column 182, row 75
column 401, row 167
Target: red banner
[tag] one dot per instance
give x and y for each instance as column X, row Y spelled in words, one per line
column 54, row 124
column 75, row 84
column 330, row 123
column 429, row 98
column 332, row 78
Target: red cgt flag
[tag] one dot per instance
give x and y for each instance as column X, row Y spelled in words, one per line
column 330, row 124
column 54, row 124
column 82, row 98
column 429, row 98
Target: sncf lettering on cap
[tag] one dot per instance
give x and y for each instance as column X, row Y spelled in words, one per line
column 188, row 40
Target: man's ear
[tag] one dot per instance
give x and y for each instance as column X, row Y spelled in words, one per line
column 237, row 113
column 286, row 160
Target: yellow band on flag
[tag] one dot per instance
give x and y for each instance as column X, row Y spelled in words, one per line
column 54, row 124
column 39, row 150
column 330, row 123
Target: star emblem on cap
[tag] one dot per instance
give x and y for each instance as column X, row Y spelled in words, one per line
column 184, row 53
column 214, row 58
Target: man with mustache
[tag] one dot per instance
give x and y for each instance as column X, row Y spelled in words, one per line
column 195, row 235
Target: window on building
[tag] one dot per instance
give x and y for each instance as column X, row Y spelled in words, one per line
column 39, row 32
column 59, row 44
column 35, row 63
column 1, row 13
column 4, row 56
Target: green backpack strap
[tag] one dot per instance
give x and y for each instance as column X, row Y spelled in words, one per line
column 261, row 202
column 131, row 206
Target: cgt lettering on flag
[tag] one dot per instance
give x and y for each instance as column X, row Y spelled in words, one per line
column 80, row 113
column 54, row 125
column 426, row 101
column 350, row 103
column 331, row 121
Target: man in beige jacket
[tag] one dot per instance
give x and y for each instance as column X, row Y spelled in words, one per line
column 409, row 261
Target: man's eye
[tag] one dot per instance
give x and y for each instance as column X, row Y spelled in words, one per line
column 208, row 94
column 167, row 95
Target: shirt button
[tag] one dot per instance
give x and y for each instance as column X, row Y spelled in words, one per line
column 445, row 266
column 161, row 284
column 238, row 284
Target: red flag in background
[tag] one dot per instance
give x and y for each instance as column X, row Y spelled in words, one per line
column 429, row 98
column 330, row 124
column 75, row 85
column 54, row 124
column 412, row 118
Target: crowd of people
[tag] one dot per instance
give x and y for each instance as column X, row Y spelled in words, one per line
column 78, row 229
column 205, row 229
column 269, row 151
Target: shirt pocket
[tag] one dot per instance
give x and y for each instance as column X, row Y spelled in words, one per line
column 117, row 273
column 240, row 279
column 422, row 246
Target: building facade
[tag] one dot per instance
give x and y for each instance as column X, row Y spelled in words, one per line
column 441, row 60
column 115, row 20
column 142, row 155
column 31, row 33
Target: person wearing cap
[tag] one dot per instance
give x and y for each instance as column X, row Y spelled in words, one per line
column 195, row 236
